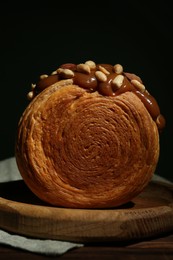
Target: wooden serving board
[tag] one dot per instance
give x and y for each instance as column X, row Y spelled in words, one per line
column 149, row 214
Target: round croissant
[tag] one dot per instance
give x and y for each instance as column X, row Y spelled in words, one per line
column 89, row 138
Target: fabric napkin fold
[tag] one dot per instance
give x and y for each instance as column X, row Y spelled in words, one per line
column 41, row 246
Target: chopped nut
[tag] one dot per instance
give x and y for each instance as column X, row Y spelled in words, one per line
column 118, row 81
column 30, row 95
column 33, row 86
column 54, row 72
column 43, row 76
column 105, row 71
column 65, row 73
column 68, row 74
column 59, row 70
column 138, row 85
column 118, row 68
column 100, row 76
column 91, row 64
column 83, row 68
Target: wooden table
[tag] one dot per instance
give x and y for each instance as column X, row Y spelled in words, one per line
column 160, row 248
column 155, row 198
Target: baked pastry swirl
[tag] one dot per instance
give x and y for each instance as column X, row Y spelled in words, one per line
column 89, row 138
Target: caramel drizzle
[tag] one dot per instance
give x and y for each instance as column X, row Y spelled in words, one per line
column 107, row 79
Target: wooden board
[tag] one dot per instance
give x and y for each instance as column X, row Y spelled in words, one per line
column 149, row 214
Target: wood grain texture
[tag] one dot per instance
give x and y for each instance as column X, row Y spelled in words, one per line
column 149, row 214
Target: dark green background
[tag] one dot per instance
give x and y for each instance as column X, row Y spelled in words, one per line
column 37, row 39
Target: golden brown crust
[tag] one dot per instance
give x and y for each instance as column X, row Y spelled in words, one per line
column 85, row 150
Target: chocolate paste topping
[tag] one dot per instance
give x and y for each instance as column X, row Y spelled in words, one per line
column 107, row 79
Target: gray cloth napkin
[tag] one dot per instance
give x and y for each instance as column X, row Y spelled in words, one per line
column 47, row 246
column 9, row 172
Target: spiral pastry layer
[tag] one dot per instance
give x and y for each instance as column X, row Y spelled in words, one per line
column 82, row 149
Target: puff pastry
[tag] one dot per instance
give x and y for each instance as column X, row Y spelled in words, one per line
column 89, row 138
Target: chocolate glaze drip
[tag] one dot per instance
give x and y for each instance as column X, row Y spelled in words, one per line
column 86, row 78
